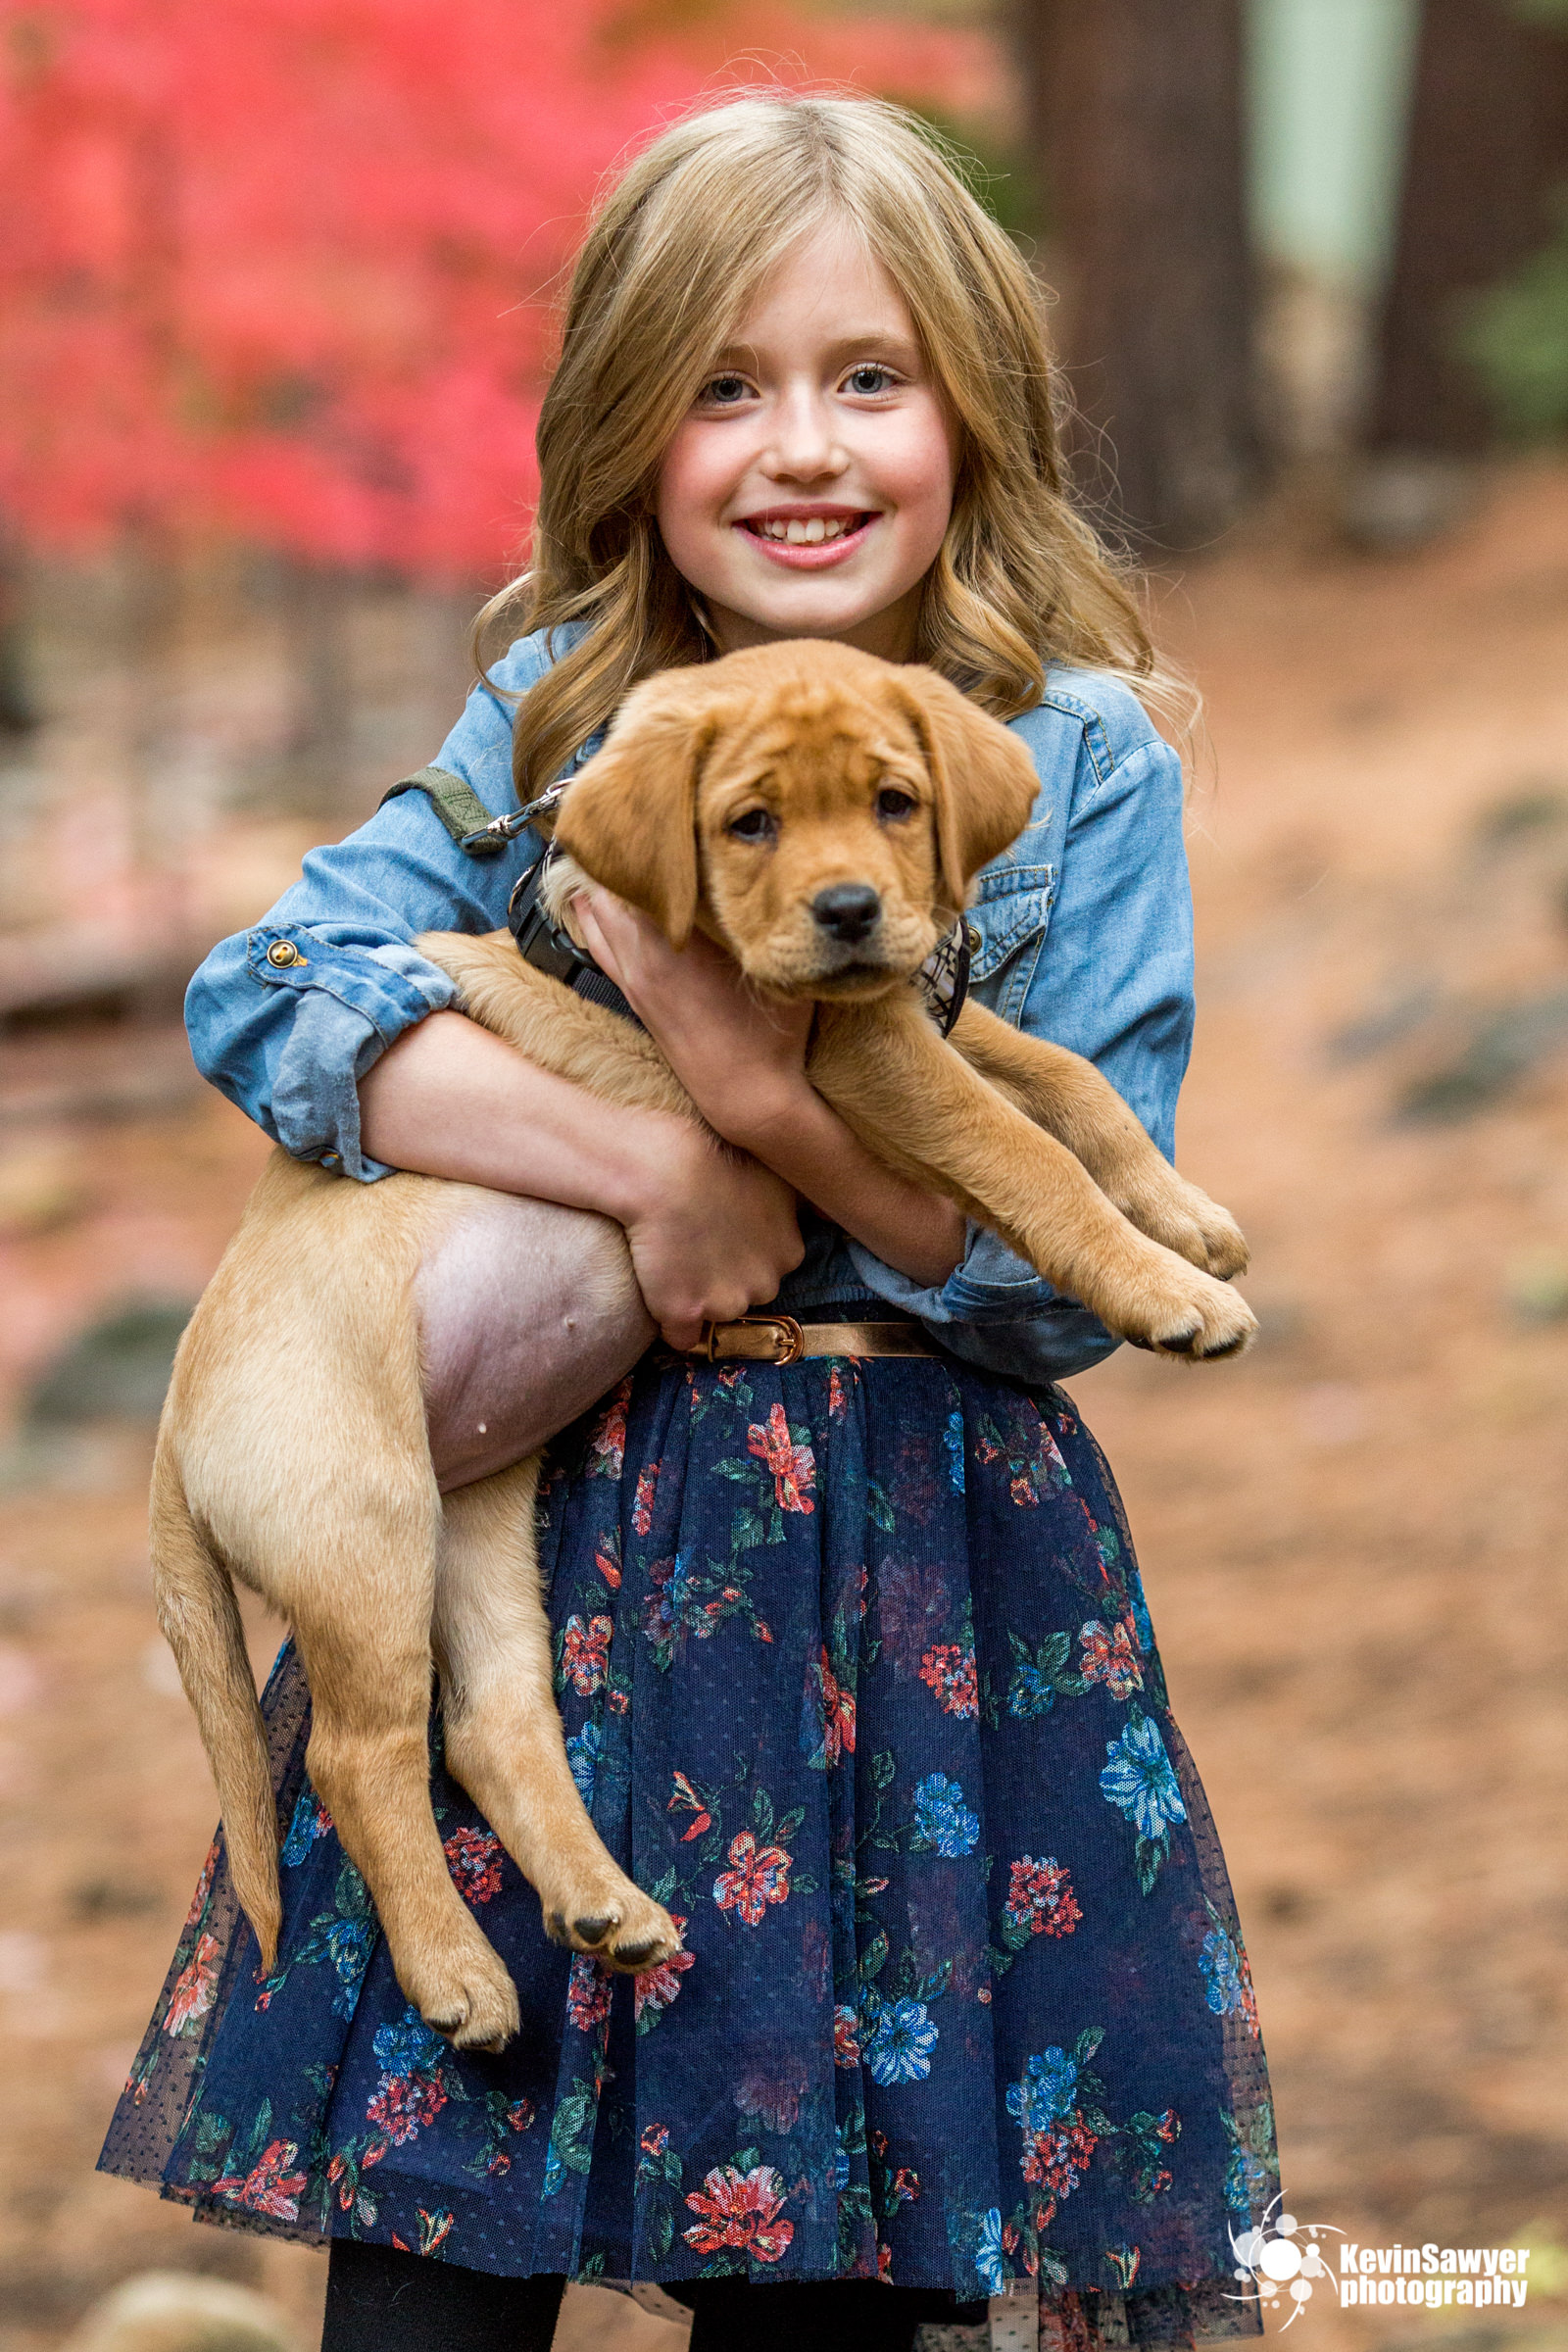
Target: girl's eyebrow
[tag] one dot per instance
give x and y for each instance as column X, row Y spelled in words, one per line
column 884, row 339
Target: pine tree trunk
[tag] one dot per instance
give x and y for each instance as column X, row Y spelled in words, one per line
column 1488, row 142
column 1136, row 107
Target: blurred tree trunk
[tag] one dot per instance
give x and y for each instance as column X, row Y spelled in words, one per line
column 1488, row 141
column 1136, row 107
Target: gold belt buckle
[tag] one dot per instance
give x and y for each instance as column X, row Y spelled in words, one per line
column 789, row 1339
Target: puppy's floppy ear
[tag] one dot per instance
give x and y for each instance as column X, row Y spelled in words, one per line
column 631, row 816
column 982, row 775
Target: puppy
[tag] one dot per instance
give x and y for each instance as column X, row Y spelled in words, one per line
column 822, row 814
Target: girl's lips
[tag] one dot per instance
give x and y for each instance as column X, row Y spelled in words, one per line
column 805, row 557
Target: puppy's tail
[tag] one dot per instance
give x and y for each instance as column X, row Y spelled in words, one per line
column 201, row 1621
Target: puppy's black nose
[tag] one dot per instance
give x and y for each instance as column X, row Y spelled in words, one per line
column 847, row 911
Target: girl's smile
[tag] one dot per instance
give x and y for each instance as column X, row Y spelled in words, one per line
column 808, row 490
column 809, row 538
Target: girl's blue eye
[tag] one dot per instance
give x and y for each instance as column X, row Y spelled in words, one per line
column 869, row 378
column 723, row 391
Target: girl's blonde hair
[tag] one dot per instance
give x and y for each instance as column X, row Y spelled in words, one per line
column 675, row 256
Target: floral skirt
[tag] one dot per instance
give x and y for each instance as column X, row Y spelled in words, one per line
column 858, row 1681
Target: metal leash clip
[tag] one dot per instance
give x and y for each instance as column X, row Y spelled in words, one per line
column 506, row 829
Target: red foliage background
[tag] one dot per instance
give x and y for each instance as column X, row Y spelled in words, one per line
column 280, row 269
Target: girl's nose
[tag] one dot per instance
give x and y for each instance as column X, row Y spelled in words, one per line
column 803, row 446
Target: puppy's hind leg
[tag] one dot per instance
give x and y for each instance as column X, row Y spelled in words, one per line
column 503, row 1740
column 363, row 1632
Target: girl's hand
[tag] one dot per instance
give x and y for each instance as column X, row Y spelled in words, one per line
column 711, row 1231
column 740, row 1054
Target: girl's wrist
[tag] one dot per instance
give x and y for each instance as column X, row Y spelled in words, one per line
column 756, row 1116
column 654, row 1162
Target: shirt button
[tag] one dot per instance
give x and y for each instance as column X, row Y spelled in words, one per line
column 331, row 1160
column 283, row 953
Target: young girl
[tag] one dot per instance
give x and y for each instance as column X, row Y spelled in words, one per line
column 856, row 1668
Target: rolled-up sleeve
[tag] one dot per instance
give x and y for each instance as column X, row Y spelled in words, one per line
column 287, row 1018
column 1113, row 981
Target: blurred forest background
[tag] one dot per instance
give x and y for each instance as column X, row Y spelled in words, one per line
column 277, row 288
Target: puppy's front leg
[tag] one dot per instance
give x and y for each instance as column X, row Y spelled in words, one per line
column 1066, row 1095
column 919, row 1106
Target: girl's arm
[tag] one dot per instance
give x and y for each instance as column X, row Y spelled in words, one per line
column 741, row 1057
column 710, row 1233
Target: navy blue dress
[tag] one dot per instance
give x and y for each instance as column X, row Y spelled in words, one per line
column 858, row 1681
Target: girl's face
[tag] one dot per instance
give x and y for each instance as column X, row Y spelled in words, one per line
column 808, row 491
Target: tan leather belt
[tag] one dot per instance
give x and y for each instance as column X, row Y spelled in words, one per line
column 781, row 1339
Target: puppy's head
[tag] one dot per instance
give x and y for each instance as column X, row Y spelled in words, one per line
column 820, row 811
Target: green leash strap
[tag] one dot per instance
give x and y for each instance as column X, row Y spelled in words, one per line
column 458, row 806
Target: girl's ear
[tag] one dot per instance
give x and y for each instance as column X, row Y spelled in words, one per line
column 631, row 816
column 982, row 775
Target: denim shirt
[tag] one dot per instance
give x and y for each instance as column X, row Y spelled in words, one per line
column 1085, row 930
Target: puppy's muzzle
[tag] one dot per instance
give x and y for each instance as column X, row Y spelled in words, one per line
column 847, row 912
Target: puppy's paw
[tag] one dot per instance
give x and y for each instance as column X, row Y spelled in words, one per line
column 617, row 1921
column 1184, row 1314
column 467, row 1996
column 1184, row 1219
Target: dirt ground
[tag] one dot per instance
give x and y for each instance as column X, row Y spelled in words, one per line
column 1353, row 1541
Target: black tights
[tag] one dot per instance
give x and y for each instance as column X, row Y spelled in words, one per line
column 380, row 2300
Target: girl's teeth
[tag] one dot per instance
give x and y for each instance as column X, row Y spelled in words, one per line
column 807, row 533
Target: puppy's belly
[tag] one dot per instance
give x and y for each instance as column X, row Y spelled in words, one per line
column 527, row 1312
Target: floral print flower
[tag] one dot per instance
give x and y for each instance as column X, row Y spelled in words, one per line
column 642, row 1509
column 774, row 2098
column 942, row 1819
column 911, row 1603
column 742, row 2213
column 194, row 1986
column 583, row 1750
column 1139, row 1780
column 403, row 2105
column 757, row 1875
column 585, row 1653
column 1046, row 2090
column 1040, row 1898
column 952, row 1440
column 408, row 2045
column 827, row 1717
column 988, row 2255
column 1032, row 1692
column 270, row 2186
column 900, row 2042
column 311, row 1820
column 607, row 1447
column 1057, row 2159
column 473, row 1857
column 846, row 2037
column 588, row 1990
column 793, row 1465
column 654, row 1989
column 950, row 1671
column 1228, row 1976
column 1110, row 1656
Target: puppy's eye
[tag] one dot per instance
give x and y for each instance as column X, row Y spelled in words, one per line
column 754, row 825
column 893, row 806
